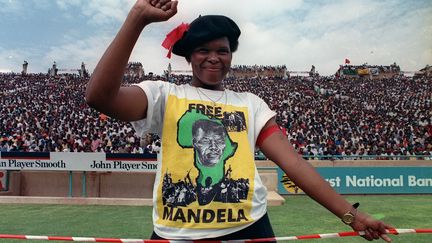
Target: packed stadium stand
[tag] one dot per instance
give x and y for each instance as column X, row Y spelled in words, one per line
column 339, row 115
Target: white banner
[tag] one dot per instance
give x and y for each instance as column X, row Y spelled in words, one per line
column 374, row 71
column 59, row 161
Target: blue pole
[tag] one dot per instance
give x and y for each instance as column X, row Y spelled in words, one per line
column 84, row 184
column 70, row 184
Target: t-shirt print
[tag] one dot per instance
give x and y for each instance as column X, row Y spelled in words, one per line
column 208, row 169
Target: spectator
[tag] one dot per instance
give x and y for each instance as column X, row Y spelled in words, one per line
column 386, row 117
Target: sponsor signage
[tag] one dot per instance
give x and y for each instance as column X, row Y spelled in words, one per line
column 60, row 161
column 368, row 180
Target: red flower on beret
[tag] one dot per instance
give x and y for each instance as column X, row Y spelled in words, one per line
column 173, row 36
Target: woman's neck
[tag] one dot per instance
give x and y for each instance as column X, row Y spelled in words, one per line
column 197, row 83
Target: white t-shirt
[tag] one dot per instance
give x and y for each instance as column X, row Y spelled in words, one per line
column 207, row 184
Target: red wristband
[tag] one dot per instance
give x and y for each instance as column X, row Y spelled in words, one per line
column 265, row 133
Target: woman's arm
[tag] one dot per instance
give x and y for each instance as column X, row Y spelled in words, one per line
column 278, row 149
column 104, row 91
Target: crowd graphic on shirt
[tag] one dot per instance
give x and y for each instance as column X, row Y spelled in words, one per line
column 323, row 115
column 184, row 192
column 234, row 121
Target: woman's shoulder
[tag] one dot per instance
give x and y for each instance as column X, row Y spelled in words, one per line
column 153, row 82
column 159, row 84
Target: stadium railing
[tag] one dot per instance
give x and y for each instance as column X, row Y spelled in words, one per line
column 261, row 156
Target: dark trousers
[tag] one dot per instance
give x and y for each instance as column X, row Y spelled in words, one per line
column 260, row 229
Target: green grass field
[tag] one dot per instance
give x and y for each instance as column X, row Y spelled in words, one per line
column 300, row 215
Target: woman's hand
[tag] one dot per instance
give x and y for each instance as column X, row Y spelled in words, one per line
column 150, row 11
column 104, row 91
column 374, row 229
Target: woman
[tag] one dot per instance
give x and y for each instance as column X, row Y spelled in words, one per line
column 207, row 186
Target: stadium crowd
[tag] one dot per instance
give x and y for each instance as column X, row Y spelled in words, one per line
column 323, row 117
column 247, row 71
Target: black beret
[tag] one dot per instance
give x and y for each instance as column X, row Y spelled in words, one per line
column 204, row 29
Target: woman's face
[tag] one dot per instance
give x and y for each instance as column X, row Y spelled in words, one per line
column 211, row 62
